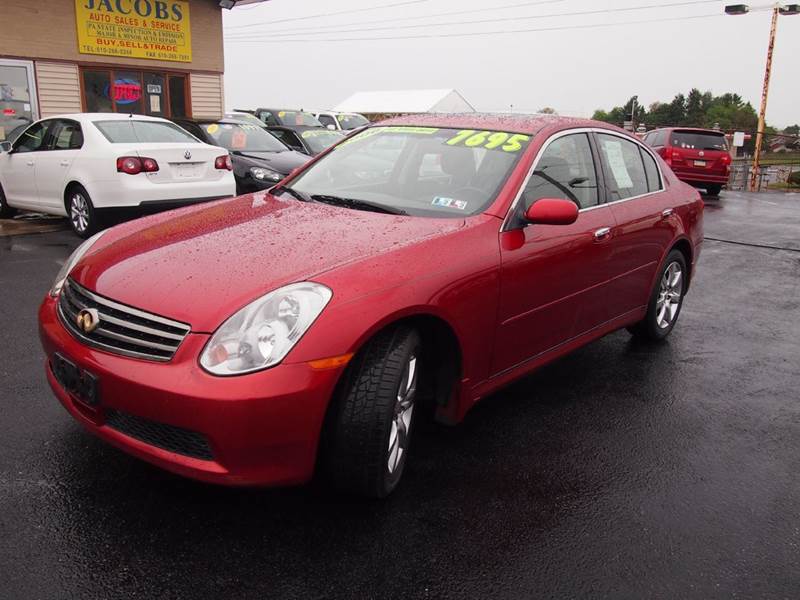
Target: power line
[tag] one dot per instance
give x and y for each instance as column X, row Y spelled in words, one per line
column 330, row 14
column 500, row 19
column 428, row 16
column 475, row 33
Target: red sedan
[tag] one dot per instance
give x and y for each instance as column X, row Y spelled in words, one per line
column 257, row 340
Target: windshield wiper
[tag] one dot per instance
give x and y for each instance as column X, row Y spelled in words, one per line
column 292, row 192
column 357, row 204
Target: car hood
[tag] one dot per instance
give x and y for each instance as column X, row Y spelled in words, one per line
column 200, row 264
column 282, row 162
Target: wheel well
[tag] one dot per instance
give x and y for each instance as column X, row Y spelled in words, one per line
column 685, row 248
column 69, row 187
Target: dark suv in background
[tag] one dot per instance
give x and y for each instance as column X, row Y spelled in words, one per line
column 700, row 157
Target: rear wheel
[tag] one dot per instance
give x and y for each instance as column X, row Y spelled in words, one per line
column 6, row 212
column 81, row 212
column 713, row 190
column 665, row 300
column 368, row 435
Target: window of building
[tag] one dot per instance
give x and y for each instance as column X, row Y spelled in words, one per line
column 137, row 92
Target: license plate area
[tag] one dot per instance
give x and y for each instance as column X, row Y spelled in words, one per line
column 187, row 170
column 699, row 163
column 81, row 384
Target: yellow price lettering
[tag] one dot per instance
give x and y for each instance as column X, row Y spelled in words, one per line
column 515, row 142
column 490, row 140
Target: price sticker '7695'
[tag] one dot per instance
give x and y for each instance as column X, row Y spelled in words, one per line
column 491, row 140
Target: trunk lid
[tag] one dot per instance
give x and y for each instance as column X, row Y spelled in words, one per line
column 177, row 162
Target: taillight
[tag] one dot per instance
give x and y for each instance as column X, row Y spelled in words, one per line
column 726, row 159
column 133, row 165
column 224, row 163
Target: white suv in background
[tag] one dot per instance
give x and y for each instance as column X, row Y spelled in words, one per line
column 341, row 121
column 84, row 164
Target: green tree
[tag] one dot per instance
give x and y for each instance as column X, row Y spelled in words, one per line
column 792, row 130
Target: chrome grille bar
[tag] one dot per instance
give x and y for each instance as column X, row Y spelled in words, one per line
column 121, row 329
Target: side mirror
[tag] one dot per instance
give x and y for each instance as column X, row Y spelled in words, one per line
column 552, row 211
column 331, row 126
column 5, row 146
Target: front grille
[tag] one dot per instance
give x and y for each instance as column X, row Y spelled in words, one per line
column 167, row 437
column 121, row 329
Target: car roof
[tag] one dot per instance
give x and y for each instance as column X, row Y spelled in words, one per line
column 224, row 121
column 515, row 122
column 104, row 116
column 697, row 129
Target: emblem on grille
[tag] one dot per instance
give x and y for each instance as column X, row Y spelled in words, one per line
column 187, row 155
column 88, row 320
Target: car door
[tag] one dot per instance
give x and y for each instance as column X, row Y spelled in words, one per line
column 554, row 277
column 19, row 166
column 643, row 213
column 64, row 140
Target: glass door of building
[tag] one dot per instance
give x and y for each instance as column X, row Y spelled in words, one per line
column 18, row 106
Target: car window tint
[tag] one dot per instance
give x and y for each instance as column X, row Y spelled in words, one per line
column 651, row 171
column 32, row 139
column 130, row 131
column 327, row 120
column 565, row 170
column 658, row 138
column 66, row 135
column 289, row 138
column 624, row 167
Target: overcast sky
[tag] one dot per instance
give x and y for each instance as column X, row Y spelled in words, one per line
column 575, row 67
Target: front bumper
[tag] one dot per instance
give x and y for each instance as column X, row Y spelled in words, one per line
column 262, row 428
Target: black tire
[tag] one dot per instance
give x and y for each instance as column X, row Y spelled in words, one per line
column 653, row 327
column 6, row 212
column 365, row 415
column 713, row 190
column 81, row 213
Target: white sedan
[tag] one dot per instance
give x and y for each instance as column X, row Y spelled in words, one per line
column 83, row 165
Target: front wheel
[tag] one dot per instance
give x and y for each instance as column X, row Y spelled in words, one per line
column 665, row 300
column 81, row 212
column 368, row 435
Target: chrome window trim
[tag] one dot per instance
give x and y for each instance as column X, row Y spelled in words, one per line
column 505, row 226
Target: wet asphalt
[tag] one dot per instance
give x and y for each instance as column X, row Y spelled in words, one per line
column 621, row 471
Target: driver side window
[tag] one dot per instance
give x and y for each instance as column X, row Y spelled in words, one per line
column 32, row 139
column 565, row 170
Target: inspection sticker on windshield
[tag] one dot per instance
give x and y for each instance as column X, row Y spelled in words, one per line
column 491, row 140
column 449, row 202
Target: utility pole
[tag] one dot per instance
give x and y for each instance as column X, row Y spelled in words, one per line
column 777, row 9
column 762, row 113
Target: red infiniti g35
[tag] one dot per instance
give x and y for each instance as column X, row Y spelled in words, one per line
column 258, row 340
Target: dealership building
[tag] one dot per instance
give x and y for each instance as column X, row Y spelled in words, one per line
column 154, row 57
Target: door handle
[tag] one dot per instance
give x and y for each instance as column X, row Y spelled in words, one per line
column 64, row 163
column 29, row 163
column 602, row 233
column 666, row 213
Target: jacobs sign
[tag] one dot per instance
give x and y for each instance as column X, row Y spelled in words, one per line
column 154, row 29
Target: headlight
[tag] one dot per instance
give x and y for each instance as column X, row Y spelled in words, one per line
column 263, row 332
column 262, row 174
column 73, row 259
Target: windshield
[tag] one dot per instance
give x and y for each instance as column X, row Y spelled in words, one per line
column 320, row 139
column 421, row 171
column 242, row 137
column 698, row 140
column 246, row 118
column 293, row 118
column 351, row 121
column 130, row 131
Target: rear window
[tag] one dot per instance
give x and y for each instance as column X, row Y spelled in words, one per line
column 695, row 140
column 131, row 131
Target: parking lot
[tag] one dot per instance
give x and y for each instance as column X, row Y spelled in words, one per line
column 622, row 470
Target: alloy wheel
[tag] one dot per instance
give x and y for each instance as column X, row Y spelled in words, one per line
column 79, row 212
column 669, row 295
column 401, row 421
